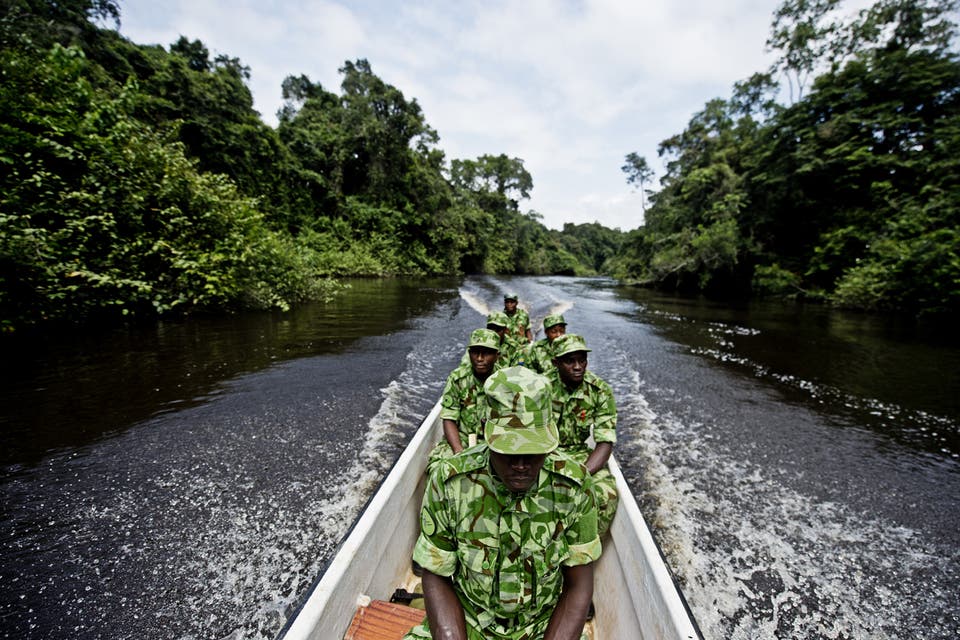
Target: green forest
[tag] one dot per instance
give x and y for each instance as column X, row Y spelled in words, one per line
column 138, row 181
column 846, row 191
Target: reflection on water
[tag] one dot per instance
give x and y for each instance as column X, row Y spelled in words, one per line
column 73, row 388
column 894, row 375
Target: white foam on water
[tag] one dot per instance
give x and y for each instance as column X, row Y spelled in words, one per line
column 559, row 306
column 672, row 526
column 475, row 303
column 536, row 324
column 230, row 556
column 759, row 560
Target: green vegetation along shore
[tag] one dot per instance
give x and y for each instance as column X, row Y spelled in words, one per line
column 138, row 181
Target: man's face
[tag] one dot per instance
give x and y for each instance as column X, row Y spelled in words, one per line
column 482, row 359
column 497, row 329
column 510, row 306
column 555, row 331
column 518, row 472
column 571, row 367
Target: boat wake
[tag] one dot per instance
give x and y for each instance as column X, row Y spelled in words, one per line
column 762, row 559
column 757, row 549
column 475, row 303
column 537, row 311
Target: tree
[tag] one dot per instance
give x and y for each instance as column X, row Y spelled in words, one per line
column 195, row 53
column 801, row 32
column 908, row 25
column 638, row 173
column 46, row 22
column 849, row 194
column 498, row 181
column 593, row 245
column 139, row 180
column 383, row 130
column 102, row 215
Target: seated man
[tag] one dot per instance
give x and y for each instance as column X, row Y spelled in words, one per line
column 584, row 403
column 513, row 348
column 508, row 529
column 519, row 319
column 540, row 353
column 511, row 352
column 463, row 405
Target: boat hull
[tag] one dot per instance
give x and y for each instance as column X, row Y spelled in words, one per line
column 634, row 593
column 376, row 554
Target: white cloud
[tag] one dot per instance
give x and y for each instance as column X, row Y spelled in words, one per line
column 569, row 86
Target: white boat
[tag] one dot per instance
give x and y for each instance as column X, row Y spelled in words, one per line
column 634, row 593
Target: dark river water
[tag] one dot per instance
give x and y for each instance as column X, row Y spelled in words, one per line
column 800, row 467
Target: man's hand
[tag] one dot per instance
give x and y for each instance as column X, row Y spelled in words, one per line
column 599, row 456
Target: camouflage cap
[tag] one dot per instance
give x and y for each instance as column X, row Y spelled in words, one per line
column 568, row 344
column 553, row 320
column 520, row 420
column 484, row 338
column 510, row 296
column 498, row 318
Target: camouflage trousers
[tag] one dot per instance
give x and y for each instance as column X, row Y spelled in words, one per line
column 496, row 632
column 605, row 486
column 440, row 451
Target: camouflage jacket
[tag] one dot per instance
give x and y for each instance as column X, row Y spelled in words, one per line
column 517, row 325
column 513, row 351
column 505, row 551
column 463, row 400
column 589, row 407
column 540, row 356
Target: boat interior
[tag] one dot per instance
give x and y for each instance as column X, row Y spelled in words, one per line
column 389, row 620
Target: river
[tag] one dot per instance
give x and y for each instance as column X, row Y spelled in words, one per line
column 800, row 467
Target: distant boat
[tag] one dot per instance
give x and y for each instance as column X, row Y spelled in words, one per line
column 634, row 593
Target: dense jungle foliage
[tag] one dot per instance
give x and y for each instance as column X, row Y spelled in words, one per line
column 848, row 194
column 138, row 181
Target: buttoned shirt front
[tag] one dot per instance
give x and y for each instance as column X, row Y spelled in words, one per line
column 518, row 323
column 588, row 408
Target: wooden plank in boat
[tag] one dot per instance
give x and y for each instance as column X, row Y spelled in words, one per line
column 381, row 620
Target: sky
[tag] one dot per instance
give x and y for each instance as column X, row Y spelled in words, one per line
column 568, row 86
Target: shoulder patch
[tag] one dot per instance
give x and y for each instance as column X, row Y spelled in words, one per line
column 427, row 525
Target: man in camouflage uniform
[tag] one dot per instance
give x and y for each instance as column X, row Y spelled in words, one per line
column 519, row 319
column 508, row 528
column 584, row 403
column 463, row 404
column 540, row 353
column 512, row 353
